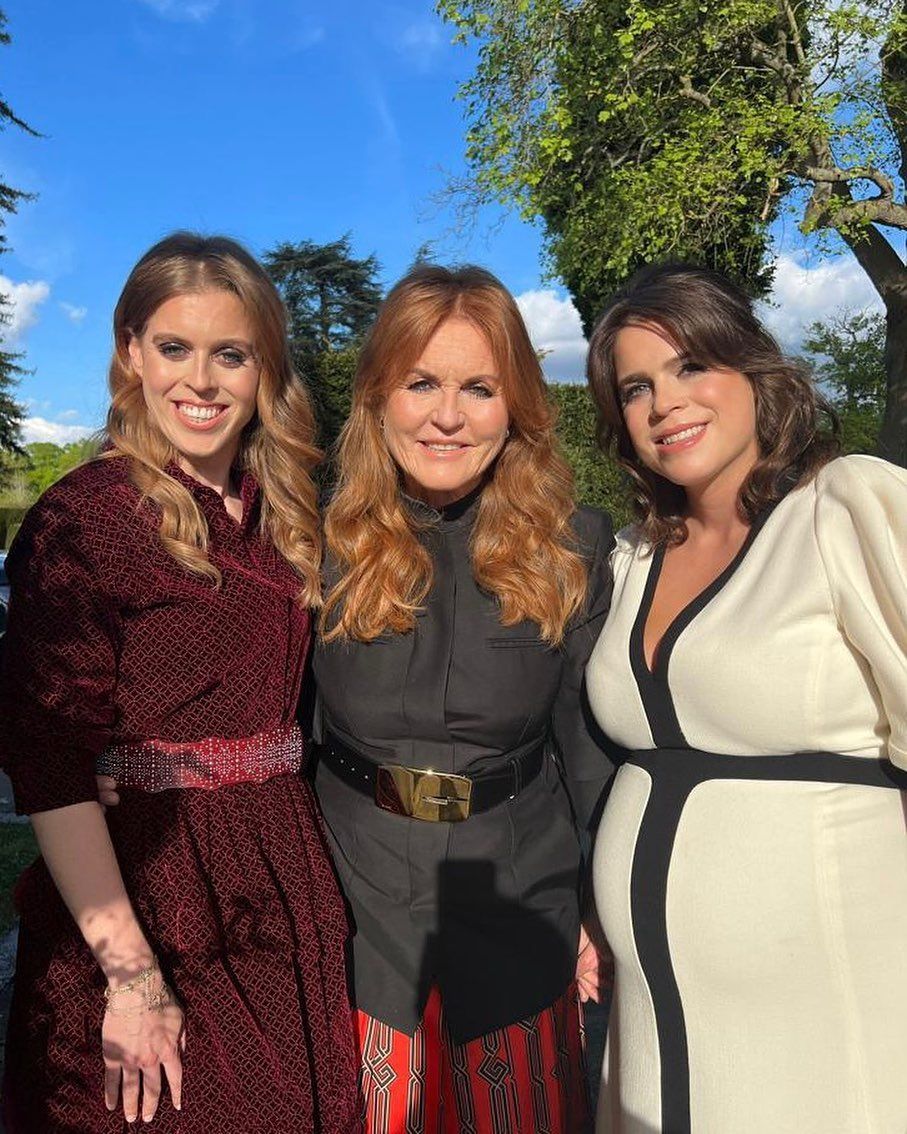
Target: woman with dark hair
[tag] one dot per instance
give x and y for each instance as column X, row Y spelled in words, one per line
column 159, row 623
column 751, row 865
column 464, row 593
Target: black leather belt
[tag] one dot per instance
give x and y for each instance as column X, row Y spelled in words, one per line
column 437, row 797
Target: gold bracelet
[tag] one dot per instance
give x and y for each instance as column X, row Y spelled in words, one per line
column 153, row 1000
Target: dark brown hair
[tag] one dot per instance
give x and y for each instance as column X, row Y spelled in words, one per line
column 711, row 319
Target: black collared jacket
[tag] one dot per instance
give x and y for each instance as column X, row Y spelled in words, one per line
column 486, row 909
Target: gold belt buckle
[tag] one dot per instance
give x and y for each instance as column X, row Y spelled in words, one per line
column 435, row 797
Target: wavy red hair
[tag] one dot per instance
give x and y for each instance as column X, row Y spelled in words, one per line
column 522, row 543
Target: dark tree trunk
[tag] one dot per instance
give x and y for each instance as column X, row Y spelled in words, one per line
column 888, row 275
column 892, row 444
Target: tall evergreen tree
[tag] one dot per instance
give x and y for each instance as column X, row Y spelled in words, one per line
column 11, row 412
column 331, row 298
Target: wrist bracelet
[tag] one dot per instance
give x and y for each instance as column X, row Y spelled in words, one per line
column 153, row 1000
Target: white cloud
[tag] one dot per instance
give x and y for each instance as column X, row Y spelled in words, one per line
column 554, row 326
column 421, row 42
column 805, row 293
column 40, row 429
column 382, row 109
column 73, row 313
column 422, row 36
column 23, row 301
column 188, row 11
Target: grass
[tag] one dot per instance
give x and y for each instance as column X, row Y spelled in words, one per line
column 17, row 850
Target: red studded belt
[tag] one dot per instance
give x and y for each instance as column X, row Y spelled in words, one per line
column 159, row 765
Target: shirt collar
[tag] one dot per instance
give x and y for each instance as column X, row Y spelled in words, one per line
column 462, row 510
column 210, row 500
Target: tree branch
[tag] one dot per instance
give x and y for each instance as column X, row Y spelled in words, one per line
column 857, row 173
column 881, row 263
column 855, row 223
column 789, row 74
column 796, row 39
column 686, row 89
column 770, row 197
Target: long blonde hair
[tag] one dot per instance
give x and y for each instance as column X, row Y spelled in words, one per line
column 522, row 543
column 277, row 446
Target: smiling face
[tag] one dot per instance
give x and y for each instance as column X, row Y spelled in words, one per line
column 692, row 423
column 196, row 361
column 448, row 420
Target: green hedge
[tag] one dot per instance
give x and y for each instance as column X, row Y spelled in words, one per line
column 599, row 481
column 10, row 519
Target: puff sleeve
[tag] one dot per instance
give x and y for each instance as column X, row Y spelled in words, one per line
column 578, row 739
column 59, row 663
column 861, row 530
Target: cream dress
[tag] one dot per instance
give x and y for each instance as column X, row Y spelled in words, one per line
column 751, row 865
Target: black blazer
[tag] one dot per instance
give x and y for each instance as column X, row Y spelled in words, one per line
column 487, row 909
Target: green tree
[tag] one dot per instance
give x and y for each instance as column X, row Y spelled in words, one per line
column 39, row 465
column 330, row 377
column 599, row 481
column 847, row 355
column 639, row 130
column 14, row 487
column 11, row 412
column 47, row 462
column 331, row 298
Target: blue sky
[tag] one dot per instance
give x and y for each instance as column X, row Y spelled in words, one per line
column 269, row 120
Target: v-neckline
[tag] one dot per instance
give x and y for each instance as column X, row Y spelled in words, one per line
column 687, row 613
column 652, row 684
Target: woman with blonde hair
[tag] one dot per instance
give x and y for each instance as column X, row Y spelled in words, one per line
column 464, row 592
column 751, row 864
column 159, row 625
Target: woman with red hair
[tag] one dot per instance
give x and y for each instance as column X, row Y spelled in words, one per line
column 464, row 593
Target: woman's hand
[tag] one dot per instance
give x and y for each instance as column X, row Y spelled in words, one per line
column 141, row 1039
column 107, row 791
column 142, row 1029
column 593, row 968
column 587, row 975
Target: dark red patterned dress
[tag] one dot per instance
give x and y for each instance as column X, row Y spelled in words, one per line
column 111, row 641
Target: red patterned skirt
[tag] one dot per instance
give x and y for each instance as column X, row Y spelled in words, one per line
column 236, row 893
column 526, row 1078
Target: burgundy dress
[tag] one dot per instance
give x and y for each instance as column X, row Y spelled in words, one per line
column 110, row 641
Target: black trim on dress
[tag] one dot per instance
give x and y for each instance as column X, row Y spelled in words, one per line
column 675, row 769
column 674, row 773
column 653, row 683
